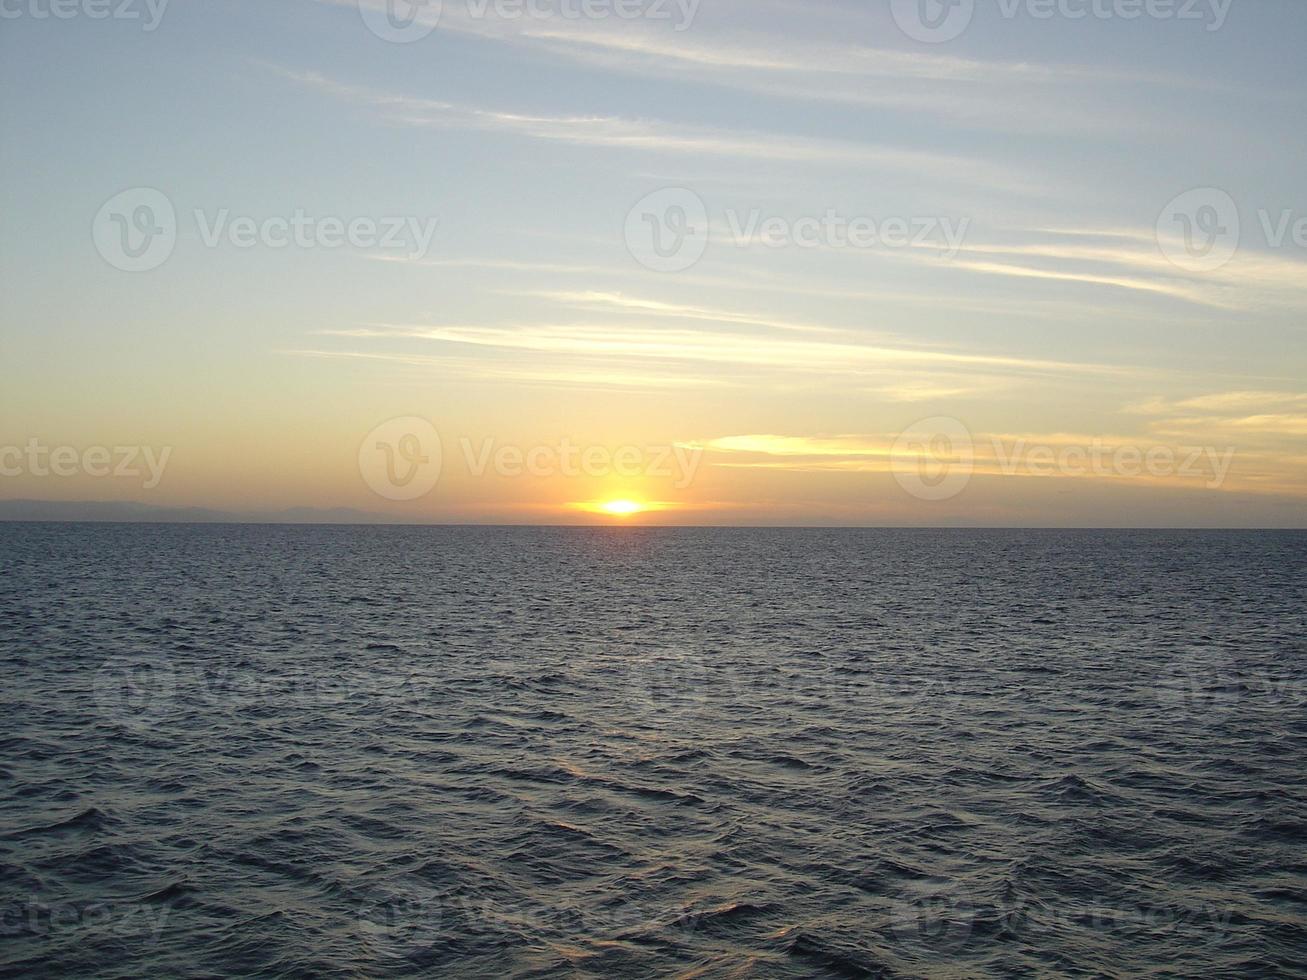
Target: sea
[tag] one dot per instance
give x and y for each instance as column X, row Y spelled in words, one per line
column 341, row 751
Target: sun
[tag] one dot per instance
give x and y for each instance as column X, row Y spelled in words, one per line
column 621, row 508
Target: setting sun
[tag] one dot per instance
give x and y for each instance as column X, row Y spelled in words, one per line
column 621, row 508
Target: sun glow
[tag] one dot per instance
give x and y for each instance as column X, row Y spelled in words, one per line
column 621, row 508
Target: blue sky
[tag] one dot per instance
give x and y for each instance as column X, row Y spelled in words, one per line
column 1053, row 145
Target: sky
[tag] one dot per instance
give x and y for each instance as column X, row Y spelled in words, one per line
column 889, row 262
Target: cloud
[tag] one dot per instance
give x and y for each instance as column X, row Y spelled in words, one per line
column 1221, row 402
column 778, row 354
column 1142, row 458
column 1013, row 95
column 566, row 376
column 1268, row 430
column 586, row 299
column 616, row 132
column 1132, row 260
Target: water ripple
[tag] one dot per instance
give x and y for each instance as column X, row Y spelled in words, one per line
column 331, row 751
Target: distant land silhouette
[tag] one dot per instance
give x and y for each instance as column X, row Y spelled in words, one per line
column 130, row 511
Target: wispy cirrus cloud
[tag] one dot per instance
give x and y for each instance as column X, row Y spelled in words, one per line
column 1141, row 458
column 1223, row 402
column 657, row 136
column 593, row 300
column 969, row 91
column 593, row 377
column 1132, row 260
column 692, row 344
column 1269, row 427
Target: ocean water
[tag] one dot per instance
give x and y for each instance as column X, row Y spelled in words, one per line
column 484, row 752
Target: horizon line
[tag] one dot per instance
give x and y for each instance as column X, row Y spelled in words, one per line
column 617, row 526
